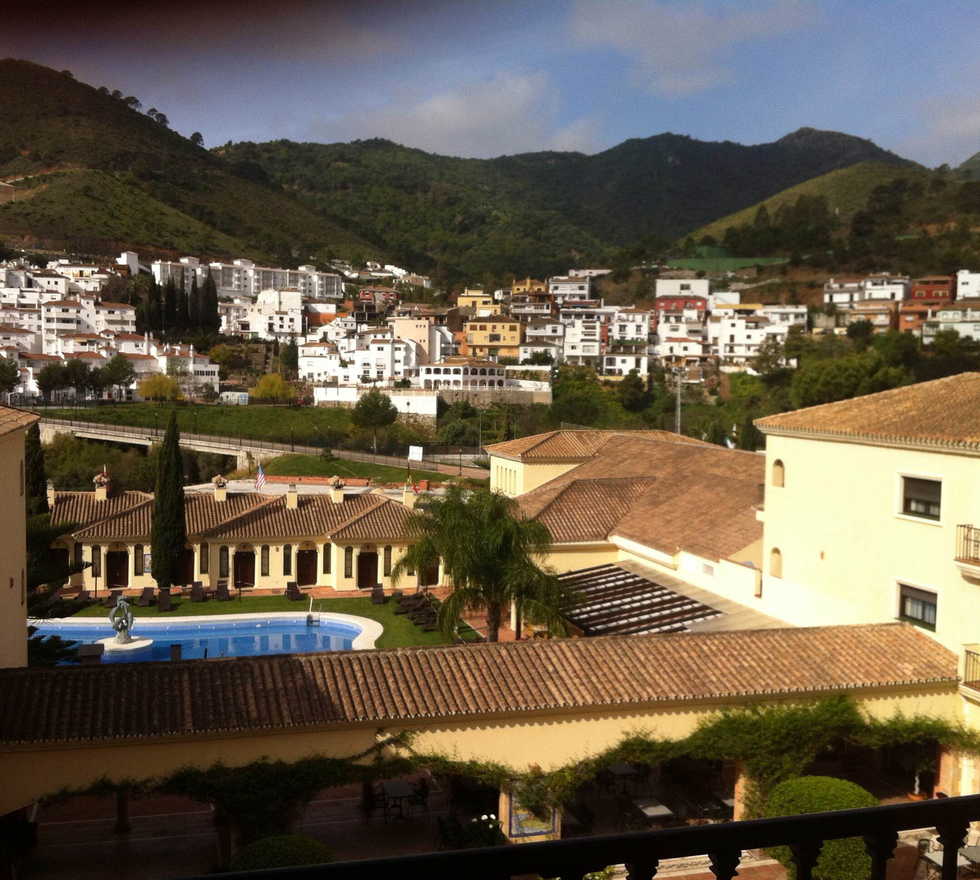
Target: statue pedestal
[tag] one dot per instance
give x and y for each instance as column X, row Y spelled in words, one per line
column 132, row 645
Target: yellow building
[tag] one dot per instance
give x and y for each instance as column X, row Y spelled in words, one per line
column 482, row 304
column 872, row 510
column 495, row 337
column 528, row 285
column 13, row 535
column 252, row 541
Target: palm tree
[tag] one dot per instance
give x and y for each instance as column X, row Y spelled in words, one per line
column 490, row 554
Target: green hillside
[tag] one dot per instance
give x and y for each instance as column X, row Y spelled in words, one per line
column 539, row 213
column 92, row 167
column 845, row 189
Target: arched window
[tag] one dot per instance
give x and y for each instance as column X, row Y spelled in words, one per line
column 387, row 562
column 138, row 560
column 778, row 473
column 348, row 562
column 222, row 562
column 776, row 562
column 287, row 559
column 264, row 560
column 327, row 549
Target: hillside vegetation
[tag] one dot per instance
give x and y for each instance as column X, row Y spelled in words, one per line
column 538, row 213
column 845, row 189
column 135, row 183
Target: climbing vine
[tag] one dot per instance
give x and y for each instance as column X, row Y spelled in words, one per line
column 773, row 743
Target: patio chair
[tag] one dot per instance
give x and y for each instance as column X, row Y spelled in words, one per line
column 83, row 596
column 222, row 594
column 146, row 597
column 293, row 592
column 110, row 600
column 378, row 596
column 163, row 600
column 197, row 592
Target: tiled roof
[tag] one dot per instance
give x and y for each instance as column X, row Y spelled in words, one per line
column 288, row 692
column 15, row 420
column 248, row 516
column 588, row 510
column 82, row 509
column 695, row 496
column 572, row 445
column 944, row 413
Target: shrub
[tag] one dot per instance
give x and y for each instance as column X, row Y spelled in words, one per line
column 839, row 859
column 281, row 851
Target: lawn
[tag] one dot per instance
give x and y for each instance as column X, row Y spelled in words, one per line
column 316, row 466
column 399, row 631
column 313, row 426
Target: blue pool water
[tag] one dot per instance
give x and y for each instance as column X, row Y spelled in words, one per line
column 213, row 637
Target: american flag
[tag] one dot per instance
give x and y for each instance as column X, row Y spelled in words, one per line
column 259, row 478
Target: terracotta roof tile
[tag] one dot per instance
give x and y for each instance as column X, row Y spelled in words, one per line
column 941, row 413
column 697, row 497
column 572, row 445
column 160, row 700
column 82, row 508
column 15, row 419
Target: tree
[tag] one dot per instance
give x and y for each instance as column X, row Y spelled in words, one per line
column 289, row 358
column 35, row 478
column 861, row 332
column 118, row 373
column 845, row 859
column 374, row 410
column 632, row 392
column 194, row 309
column 169, row 306
column 490, row 554
column 169, row 532
column 51, row 378
column 197, row 139
column 209, row 318
column 770, row 357
column 273, row 387
column 9, row 375
column 159, row 387
column 78, row 375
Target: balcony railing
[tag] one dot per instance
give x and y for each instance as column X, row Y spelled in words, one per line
column 971, row 669
column 968, row 544
column 641, row 852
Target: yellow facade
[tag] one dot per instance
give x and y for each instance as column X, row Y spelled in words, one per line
column 492, row 338
column 546, row 740
column 215, row 560
column 13, row 552
column 837, row 530
column 514, row 477
column 480, row 302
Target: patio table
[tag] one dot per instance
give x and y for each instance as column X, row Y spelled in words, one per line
column 396, row 792
column 653, row 809
column 935, row 859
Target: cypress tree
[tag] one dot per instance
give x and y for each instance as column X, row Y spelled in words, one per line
column 169, row 306
column 169, row 535
column 154, row 308
column 194, row 306
column 210, row 320
column 36, row 480
column 182, row 322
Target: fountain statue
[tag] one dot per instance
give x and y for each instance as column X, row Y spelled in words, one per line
column 121, row 620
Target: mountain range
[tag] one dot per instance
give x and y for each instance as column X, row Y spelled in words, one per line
column 94, row 174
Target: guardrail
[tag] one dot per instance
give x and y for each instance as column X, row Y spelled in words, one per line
column 641, row 852
column 234, row 444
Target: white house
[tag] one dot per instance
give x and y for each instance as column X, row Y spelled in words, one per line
column 563, row 289
column 882, row 286
column 276, row 314
column 683, row 287
column 967, row 284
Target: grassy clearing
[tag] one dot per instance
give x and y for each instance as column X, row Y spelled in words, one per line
column 314, row 426
column 399, row 631
column 316, row 466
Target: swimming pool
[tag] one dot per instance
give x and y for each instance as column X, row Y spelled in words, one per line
column 225, row 635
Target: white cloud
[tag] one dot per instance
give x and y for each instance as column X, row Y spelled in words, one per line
column 508, row 113
column 681, row 48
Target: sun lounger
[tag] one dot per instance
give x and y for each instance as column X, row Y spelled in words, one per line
column 163, row 600
column 378, row 596
column 146, row 597
column 111, row 599
column 293, row 592
column 222, row 594
column 197, row 592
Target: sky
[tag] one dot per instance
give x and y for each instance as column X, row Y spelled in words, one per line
column 483, row 78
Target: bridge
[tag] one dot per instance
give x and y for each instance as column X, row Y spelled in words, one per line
column 245, row 450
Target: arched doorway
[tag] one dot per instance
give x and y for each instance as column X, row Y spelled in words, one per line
column 244, row 568
column 367, row 570
column 306, row 566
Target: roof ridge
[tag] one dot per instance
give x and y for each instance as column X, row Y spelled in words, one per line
column 113, row 516
column 223, row 523
column 357, row 517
